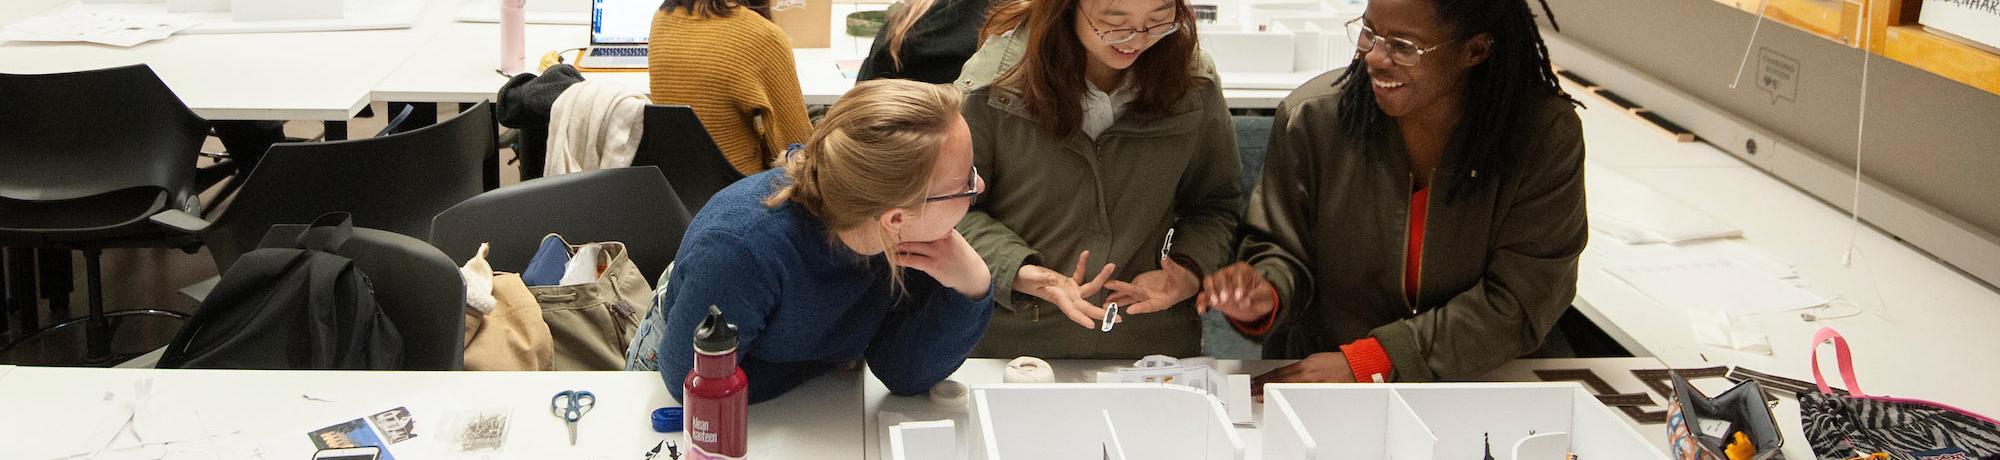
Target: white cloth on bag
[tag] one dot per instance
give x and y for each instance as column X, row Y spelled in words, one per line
column 594, row 125
column 479, row 282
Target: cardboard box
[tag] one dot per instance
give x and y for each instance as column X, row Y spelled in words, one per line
column 809, row 23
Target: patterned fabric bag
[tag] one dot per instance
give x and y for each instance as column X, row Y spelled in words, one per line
column 1844, row 427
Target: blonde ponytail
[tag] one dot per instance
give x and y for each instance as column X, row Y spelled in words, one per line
column 873, row 152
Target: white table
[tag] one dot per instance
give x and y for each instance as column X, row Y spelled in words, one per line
column 458, row 64
column 814, row 421
column 323, row 76
column 1932, row 340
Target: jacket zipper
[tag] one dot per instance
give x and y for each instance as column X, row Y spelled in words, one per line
column 1431, row 182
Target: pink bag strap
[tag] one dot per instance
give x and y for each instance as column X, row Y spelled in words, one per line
column 1840, row 355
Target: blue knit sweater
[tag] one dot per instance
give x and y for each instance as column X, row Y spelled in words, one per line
column 803, row 303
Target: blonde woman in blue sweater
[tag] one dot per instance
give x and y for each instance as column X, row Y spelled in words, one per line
column 845, row 252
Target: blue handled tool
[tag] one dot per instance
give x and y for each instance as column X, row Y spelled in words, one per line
column 570, row 405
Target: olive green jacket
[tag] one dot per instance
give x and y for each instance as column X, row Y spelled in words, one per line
column 1050, row 197
column 1328, row 226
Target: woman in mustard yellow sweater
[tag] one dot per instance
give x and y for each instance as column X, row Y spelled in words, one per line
column 734, row 66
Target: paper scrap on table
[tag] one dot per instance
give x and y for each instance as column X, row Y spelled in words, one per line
column 1730, row 331
column 1714, row 284
column 1636, row 214
column 108, row 26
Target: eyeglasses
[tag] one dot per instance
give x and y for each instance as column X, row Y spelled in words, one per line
column 971, row 189
column 1402, row 52
column 1116, row 36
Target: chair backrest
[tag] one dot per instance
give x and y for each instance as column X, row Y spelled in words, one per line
column 633, row 205
column 78, row 134
column 676, row 142
column 393, row 183
column 416, row 286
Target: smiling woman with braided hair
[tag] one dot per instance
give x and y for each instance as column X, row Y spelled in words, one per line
column 1421, row 212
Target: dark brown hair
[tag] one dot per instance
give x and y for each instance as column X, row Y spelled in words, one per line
column 717, row 8
column 1050, row 76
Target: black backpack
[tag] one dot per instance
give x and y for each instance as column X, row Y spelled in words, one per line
column 299, row 307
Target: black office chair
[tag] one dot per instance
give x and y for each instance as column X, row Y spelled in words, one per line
column 675, row 141
column 416, row 286
column 93, row 160
column 393, row 183
column 633, row 205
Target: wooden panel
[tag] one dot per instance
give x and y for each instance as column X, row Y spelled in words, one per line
column 1950, row 57
column 1897, row 35
column 1892, row 31
column 1831, row 19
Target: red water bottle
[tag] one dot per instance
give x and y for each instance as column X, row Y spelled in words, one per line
column 716, row 394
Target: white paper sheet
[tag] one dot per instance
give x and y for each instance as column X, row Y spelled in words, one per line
column 1714, row 284
column 1637, row 214
column 359, row 15
column 1734, row 332
column 115, row 25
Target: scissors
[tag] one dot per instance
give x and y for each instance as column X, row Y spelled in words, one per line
column 571, row 405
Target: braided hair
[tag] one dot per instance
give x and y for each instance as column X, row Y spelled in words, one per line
column 1499, row 90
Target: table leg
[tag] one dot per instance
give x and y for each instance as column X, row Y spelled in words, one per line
column 336, row 130
column 56, row 274
column 20, row 295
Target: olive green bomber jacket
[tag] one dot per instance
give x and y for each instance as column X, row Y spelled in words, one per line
column 1051, row 197
column 1328, row 226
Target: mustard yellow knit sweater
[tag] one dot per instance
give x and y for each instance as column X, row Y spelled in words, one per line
column 738, row 75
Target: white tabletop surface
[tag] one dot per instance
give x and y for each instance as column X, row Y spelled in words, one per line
column 326, row 76
column 458, row 64
column 817, row 420
column 1921, row 319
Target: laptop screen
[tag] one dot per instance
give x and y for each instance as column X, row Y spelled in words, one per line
column 621, row 21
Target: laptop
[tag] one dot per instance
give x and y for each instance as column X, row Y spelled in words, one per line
column 618, row 31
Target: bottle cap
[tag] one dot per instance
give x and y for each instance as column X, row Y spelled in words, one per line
column 714, row 335
column 667, row 419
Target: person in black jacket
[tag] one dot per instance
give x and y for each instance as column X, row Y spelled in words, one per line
column 925, row 40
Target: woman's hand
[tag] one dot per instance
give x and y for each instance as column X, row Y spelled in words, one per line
column 1240, row 292
column 1067, row 293
column 952, row 262
column 1324, row 367
column 1155, row 290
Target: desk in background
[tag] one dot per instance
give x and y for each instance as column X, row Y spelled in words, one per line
column 322, row 76
column 458, row 64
